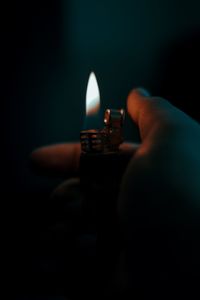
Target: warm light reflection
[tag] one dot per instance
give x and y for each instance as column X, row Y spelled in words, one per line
column 92, row 96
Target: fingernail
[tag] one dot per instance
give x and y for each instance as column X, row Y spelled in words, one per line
column 143, row 92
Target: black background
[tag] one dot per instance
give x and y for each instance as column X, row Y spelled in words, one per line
column 48, row 50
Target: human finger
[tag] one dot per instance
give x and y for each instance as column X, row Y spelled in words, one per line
column 155, row 116
column 63, row 159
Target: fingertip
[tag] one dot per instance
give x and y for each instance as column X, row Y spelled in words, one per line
column 39, row 155
column 135, row 98
column 138, row 94
column 56, row 159
column 141, row 91
column 34, row 157
column 39, row 161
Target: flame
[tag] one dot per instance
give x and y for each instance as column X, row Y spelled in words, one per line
column 92, row 96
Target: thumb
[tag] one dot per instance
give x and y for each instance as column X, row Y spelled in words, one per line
column 153, row 115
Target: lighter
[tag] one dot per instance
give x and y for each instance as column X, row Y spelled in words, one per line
column 102, row 165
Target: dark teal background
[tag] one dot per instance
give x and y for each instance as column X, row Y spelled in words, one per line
column 52, row 46
column 48, row 50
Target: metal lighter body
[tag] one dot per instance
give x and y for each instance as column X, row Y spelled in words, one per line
column 99, row 164
column 102, row 165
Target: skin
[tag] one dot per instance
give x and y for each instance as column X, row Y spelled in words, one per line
column 159, row 200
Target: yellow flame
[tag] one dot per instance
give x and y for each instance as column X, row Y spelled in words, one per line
column 92, row 96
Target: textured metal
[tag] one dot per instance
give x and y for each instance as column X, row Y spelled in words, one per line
column 113, row 120
column 91, row 141
column 107, row 139
column 114, row 117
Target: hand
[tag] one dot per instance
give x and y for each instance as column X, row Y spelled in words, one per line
column 159, row 203
column 76, row 248
column 160, row 191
